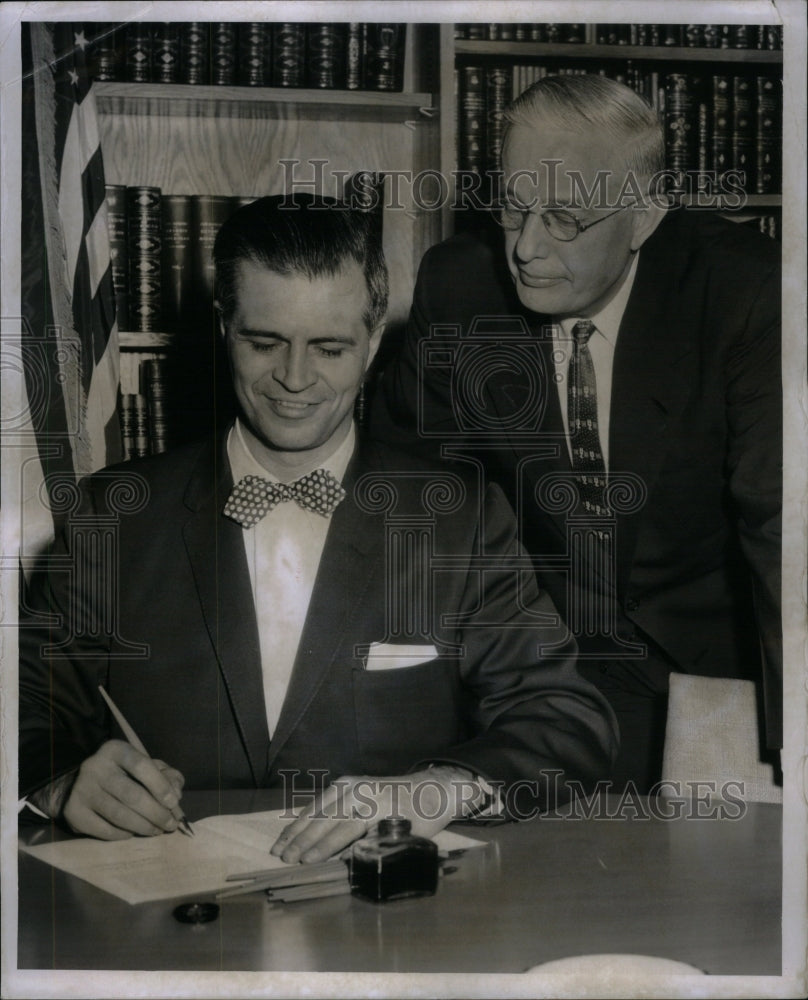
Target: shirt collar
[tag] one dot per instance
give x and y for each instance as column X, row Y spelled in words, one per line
column 608, row 319
column 243, row 463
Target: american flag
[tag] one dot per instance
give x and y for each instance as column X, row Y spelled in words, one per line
column 69, row 337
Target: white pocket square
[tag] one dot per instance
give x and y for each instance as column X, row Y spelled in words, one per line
column 392, row 656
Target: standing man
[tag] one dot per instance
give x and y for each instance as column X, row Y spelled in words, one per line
column 632, row 413
column 269, row 628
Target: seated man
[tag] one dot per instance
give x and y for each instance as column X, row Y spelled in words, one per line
column 262, row 633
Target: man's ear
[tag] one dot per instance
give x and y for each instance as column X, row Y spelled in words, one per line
column 375, row 340
column 646, row 220
column 220, row 320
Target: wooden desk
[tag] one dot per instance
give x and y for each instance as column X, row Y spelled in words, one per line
column 701, row 891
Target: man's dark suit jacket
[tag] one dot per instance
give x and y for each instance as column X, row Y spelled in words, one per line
column 195, row 694
column 696, row 412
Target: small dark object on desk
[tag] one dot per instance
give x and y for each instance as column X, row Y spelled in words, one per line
column 394, row 864
column 196, row 913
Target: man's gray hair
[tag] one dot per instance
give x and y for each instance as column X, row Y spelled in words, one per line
column 581, row 103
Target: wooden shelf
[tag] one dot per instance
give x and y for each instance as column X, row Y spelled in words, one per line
column 258, row 102
column 649, row 53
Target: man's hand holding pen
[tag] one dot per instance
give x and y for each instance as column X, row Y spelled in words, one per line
column 120, row 791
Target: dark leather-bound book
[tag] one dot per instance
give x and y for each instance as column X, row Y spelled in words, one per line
column 144, row 229
column 471, row 119
column 195, row 52
column 289, row 55
column 768, row 134
column 107, row 51
column 385, row 57
column 177, row 260
column 139, row 52
column 118, row 251
column 325, row 58
column 223, row 53
column 166, row 53
column 254, row 54
column 742, row 132
column 355, row 51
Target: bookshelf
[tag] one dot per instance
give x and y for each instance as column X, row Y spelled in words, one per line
column 205, row 139
column 589, row 55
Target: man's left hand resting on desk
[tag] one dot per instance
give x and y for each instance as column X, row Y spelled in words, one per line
column 353, row 805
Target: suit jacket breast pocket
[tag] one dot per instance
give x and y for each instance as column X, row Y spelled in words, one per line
column 408, row 714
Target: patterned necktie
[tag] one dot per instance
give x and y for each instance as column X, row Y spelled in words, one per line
column 582, row 412
column 253, row 497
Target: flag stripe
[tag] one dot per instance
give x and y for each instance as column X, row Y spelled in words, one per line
column 66, row 257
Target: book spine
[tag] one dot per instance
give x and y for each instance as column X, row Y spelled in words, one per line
column 672, row 35
column 739, row 36
column 743, row 129
column 768, row 135
column 126, row 418
column 108, row 52
column 721, row 159
column 498, row 89
column 355, row 56
column 552, row 32
column 208, row 212
column 254, row 54
column 177, row 264
column 289, row 55
column 195, row 52
column 223, row 43
column 694, row 36
column 154, row 384
column 710, row 36
column 385, row 57
column 678, row 125
column 140, row 426
column 144, row 246
column 166, row 53
column 118, row 251
column 471, row 122
column 325, row 44
column 703, row 152
column 475, row 32
column 139, row 52
column 537, row 33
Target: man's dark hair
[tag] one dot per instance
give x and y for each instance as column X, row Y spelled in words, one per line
column 301, row 233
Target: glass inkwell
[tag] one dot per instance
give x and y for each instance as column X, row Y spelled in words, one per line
column 393, row 863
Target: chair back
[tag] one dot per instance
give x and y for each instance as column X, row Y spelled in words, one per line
column 712, row 734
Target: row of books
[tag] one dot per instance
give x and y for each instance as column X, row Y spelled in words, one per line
column 160, row 249
column 252, row 54
column 699, row 36
column 715, row 122
column 143, row 406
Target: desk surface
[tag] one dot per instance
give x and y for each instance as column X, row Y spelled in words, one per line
column 701, row 891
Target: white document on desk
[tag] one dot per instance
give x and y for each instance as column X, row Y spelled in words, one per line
column 143, row 869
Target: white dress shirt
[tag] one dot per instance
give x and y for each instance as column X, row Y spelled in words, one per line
column 601, row 347
column 283, row 555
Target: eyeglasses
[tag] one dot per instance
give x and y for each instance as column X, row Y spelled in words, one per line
column 560, row 224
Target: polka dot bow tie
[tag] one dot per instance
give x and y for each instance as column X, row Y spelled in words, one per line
column 253, row 497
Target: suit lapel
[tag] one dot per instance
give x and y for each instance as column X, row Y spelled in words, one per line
column 651, row 377
column 350, row 556
column 216, row 551
column 517, row 389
